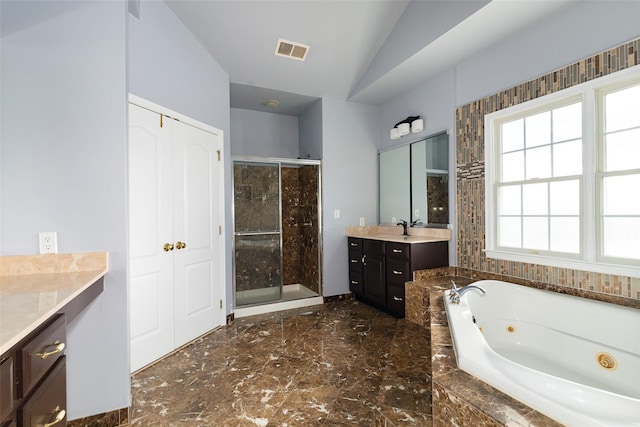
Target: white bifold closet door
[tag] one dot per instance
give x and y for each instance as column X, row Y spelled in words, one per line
column 175, row 286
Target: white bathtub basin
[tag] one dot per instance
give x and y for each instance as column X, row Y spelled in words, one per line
column 553, row 352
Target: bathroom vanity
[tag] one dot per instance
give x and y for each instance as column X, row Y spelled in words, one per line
column 39, row 296
column 380, row 263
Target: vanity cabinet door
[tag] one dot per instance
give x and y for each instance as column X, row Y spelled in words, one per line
column 373, row 271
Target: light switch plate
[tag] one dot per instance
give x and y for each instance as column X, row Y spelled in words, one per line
column 361, row 221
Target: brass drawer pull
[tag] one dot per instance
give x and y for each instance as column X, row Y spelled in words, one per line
column 59, row 417
column 59, row 348
column 353, row 244
column 396, row 272
column 353, row 282
column 354, row 261
column 167, row 247
column 395, row 298
column 397, row 251
column 181, row 245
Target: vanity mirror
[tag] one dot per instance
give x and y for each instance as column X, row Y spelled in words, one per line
column 414, row 182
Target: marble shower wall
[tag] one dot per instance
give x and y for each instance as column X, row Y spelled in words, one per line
column 300, row 235
column 470, row 175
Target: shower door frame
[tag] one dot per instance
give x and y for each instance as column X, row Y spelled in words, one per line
column 280, row 162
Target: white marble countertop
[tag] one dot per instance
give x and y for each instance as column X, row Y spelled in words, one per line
column 35, row 287
column 394, row 234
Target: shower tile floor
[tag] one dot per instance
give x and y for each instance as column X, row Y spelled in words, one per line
column 341, row 363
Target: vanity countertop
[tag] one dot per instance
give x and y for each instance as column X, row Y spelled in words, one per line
column 394, row 234
column 35, row 287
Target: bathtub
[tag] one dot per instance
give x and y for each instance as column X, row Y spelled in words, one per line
column 573, row 359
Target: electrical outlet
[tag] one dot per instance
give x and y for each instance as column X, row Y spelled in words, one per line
column 48, row 242
column 394, row 219
column 361, row 221
column 336, row 213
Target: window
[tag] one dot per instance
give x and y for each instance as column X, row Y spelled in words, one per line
column 563, row 178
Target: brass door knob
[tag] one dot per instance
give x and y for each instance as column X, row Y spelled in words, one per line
column 180, row 245
column 167, row 247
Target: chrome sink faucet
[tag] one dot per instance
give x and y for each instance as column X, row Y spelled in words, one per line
column 455, row 293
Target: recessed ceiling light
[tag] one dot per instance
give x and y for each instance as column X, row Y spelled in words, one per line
column 293, row 50
column 271, row 103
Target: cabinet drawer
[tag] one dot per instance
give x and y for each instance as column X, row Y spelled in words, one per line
column 48, row 403
column 7, row 389
column 355, row 283
column 398, row 272
column 395, row 299
column 355, row 244
column 355, row 261
column 398, row 250
column 41, row 352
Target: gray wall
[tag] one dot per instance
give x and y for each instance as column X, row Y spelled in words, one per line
column 349, row 182
column 310, row 128
column 255, row 133
column 580, row 30
column 169, row 67
column 63, row 169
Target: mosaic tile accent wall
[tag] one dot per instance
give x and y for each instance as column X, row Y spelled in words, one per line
column 470, row 174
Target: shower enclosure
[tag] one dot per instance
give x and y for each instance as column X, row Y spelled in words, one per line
column 276, row 231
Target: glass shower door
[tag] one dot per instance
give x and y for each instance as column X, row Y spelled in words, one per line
column 257, row 233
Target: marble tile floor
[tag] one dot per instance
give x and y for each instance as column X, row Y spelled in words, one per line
column 341, row 363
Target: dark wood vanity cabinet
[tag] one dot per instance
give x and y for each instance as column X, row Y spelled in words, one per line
column 34, row 378
column 378, row 269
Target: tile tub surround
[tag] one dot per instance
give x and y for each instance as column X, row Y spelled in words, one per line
column 341, row 363
column 28, row 280
column 470, row 223
column 459, row 397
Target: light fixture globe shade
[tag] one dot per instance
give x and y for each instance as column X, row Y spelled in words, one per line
column 403, row 128
column 394, row 133
column 417, row 126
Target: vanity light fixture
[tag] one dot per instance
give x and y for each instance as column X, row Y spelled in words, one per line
column 412, row 124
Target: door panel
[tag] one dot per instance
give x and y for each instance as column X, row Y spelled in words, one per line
column 150, row 226
column 197, row 295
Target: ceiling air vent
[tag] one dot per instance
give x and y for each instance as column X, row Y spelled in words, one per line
column 292, row 50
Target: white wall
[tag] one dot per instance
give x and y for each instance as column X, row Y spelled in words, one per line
column 168, row 66
column 349, row 182
column 64, row 169
column 255, row 133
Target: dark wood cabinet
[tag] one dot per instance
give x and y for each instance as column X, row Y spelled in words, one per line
column 378, row 269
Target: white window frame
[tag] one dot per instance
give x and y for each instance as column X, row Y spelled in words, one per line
column 587, row 260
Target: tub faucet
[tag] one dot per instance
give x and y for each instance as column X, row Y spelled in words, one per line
column 455, row 293
column 404, row 224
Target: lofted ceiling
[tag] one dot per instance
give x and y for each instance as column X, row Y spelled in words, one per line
column 365, row 51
